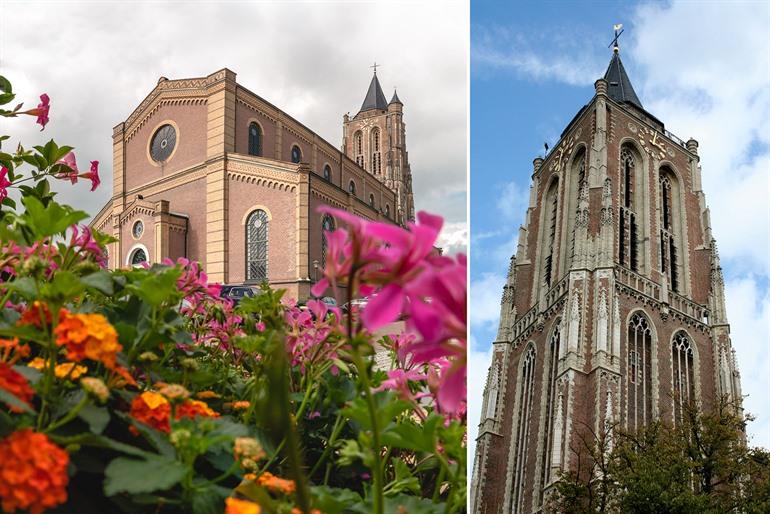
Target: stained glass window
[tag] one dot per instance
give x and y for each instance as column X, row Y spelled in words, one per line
column 256, row 246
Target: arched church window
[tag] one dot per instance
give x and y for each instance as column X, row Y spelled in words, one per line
column 138, row 257
column 628, row 251
column 524, row 411
column 387, row 211
column 639, row 377
column 577, row 182
column 255, row 139
column 328, row 173
column 552, row 205
column 684, row 376
column 549, row 382
column 358, row 147
column 327, row 225
column 670, row 230
column 371, row 200
column 257, row 246
column 296, row 154
column 376, row 157
column 352, row 188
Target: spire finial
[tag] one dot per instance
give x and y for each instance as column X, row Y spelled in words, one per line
column 374, row 66
column 618, row 28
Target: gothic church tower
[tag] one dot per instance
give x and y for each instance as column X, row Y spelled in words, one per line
column 375, row 139
column 613, row 312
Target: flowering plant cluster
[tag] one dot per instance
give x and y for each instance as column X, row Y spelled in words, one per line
column 142, row 390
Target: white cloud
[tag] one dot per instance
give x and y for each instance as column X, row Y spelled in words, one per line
column 513, row 200
column 748, row 308
column 309, row 58
column 486, row 292
column 454, row 238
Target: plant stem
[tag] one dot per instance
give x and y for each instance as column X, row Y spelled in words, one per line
column 72, row 414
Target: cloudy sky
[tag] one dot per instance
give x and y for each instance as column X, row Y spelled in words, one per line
column 703, row 68
column 98, row 60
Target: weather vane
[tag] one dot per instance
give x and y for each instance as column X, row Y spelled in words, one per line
column 618, row 27
column 375, row 67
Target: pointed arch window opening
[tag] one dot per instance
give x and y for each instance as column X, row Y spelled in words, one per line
column 376, row 157
column 257, row 240
column 255, row 139
column 639, row 377
column 296, row 154
column 358, row 145
column 668, row 247
column 581, row 182
column 328, row 173
column 682, row 360
column 522, row 430
column 553, row 198
column 551, row 399
column 627, row 233
column 352, row 188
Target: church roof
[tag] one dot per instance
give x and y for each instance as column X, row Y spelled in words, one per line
column 620, row 88
column 375, row 98
column 395, row 99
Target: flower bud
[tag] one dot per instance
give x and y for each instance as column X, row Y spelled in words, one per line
column 96, row 388
column 174, row 391
column 190, row 364
column 180, row 437
column 148, row 357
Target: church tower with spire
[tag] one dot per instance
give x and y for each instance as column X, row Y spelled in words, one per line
column 375, row 138
column 613, row 313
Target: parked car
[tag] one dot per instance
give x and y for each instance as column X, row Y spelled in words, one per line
column 238, row 292
column 356, row 304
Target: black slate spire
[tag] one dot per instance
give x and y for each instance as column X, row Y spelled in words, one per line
column 619, row 86
column 396, row 99
column 375, row 98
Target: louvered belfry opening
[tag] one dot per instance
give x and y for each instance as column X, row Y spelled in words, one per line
column 627, row 231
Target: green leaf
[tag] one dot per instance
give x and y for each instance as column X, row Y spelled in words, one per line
column 387, row 409
column 133, row 476
column 25, row 286
column 97, row 417
column 410, row 436
column 12, row 401
column 209, row 501
column 101, row 281
column 330, row 500
column 50, row 220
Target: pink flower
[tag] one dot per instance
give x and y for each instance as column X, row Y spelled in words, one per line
column 260, row 326
column 4, row 183
column 70, row 162
column 86, row 243
column 41, row 111
column 93, row 175
column 398, row 379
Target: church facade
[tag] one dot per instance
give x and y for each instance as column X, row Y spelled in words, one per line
column 205, row 169
column 613, row 313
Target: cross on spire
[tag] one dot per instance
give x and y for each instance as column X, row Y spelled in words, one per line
column 618, row 27
column 375, row 67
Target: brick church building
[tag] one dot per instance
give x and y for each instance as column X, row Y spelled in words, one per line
column 613, row 313
column 206, row 169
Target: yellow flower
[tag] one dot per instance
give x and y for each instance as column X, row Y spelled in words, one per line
column 236, row 506
column 69, row 370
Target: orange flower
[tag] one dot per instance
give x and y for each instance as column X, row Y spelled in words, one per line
column 33, row 472
column 88, row 336
column 35, row 313
column 236, row 506
column 296, row 510
column 275, row 483
column 11, row 351
column 15, row 383
column 240, row 405
column 68, row 370
column 206, row 395
column 193, row 409
column 152, row 409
